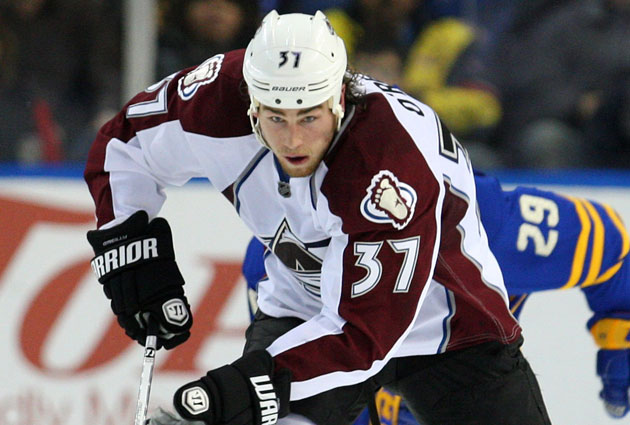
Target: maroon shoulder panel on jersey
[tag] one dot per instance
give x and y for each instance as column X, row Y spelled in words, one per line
column 373, row 142
column 209, row 99
column 212, row 98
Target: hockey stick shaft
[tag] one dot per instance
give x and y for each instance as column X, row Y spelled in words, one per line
column 373, row 412
column 147, row 373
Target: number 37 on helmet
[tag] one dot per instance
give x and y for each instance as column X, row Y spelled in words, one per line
column 295, row 61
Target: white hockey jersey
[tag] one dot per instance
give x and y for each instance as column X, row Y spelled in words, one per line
column 380, row 251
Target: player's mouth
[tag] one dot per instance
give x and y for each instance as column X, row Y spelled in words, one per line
column 296, row 159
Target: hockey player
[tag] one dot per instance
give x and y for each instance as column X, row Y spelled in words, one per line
column 381, row 274
column 542, row 240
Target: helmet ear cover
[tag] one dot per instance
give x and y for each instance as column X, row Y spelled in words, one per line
column 295, row 61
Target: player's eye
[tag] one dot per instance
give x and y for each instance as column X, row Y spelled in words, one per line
column 309, row 119
column 275, row 119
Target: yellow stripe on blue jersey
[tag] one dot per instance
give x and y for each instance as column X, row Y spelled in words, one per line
column 582, row 244
column 625, row 244
column 622, row 230
column 599, row 223
column 597, row 251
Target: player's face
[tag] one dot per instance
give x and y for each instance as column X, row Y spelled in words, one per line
column 298, row 137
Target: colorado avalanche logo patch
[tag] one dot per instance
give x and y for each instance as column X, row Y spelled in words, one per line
column 205, row 73
column 389, row 200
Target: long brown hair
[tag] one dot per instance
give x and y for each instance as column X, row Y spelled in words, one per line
column 354, row 95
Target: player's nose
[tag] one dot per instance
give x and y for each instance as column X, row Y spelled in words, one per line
column 295, row 137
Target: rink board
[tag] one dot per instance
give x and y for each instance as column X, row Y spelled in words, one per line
column 63, row 360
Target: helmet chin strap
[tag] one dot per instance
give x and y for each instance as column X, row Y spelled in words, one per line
column 338, row 112
column 255, row 122
column 339, row 109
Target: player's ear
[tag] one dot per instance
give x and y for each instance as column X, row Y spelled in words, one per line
column 342, row 101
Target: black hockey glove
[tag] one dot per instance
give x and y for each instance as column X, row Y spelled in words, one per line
column 135, row 263
column 244, row 393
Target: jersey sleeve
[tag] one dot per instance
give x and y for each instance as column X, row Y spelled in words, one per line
column 396, row 198
column 545, row 240
column 154, row 141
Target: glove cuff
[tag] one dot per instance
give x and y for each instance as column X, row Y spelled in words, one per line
column 131, row 228
column 611, row 333
column 233, row 386
column 270, row 388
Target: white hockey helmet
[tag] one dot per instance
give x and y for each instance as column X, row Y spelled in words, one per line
column 294, row 61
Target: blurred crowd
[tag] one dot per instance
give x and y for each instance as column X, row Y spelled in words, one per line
column 521, row 84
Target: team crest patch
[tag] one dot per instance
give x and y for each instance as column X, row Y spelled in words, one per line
column 389, row 200
column 205, row 73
